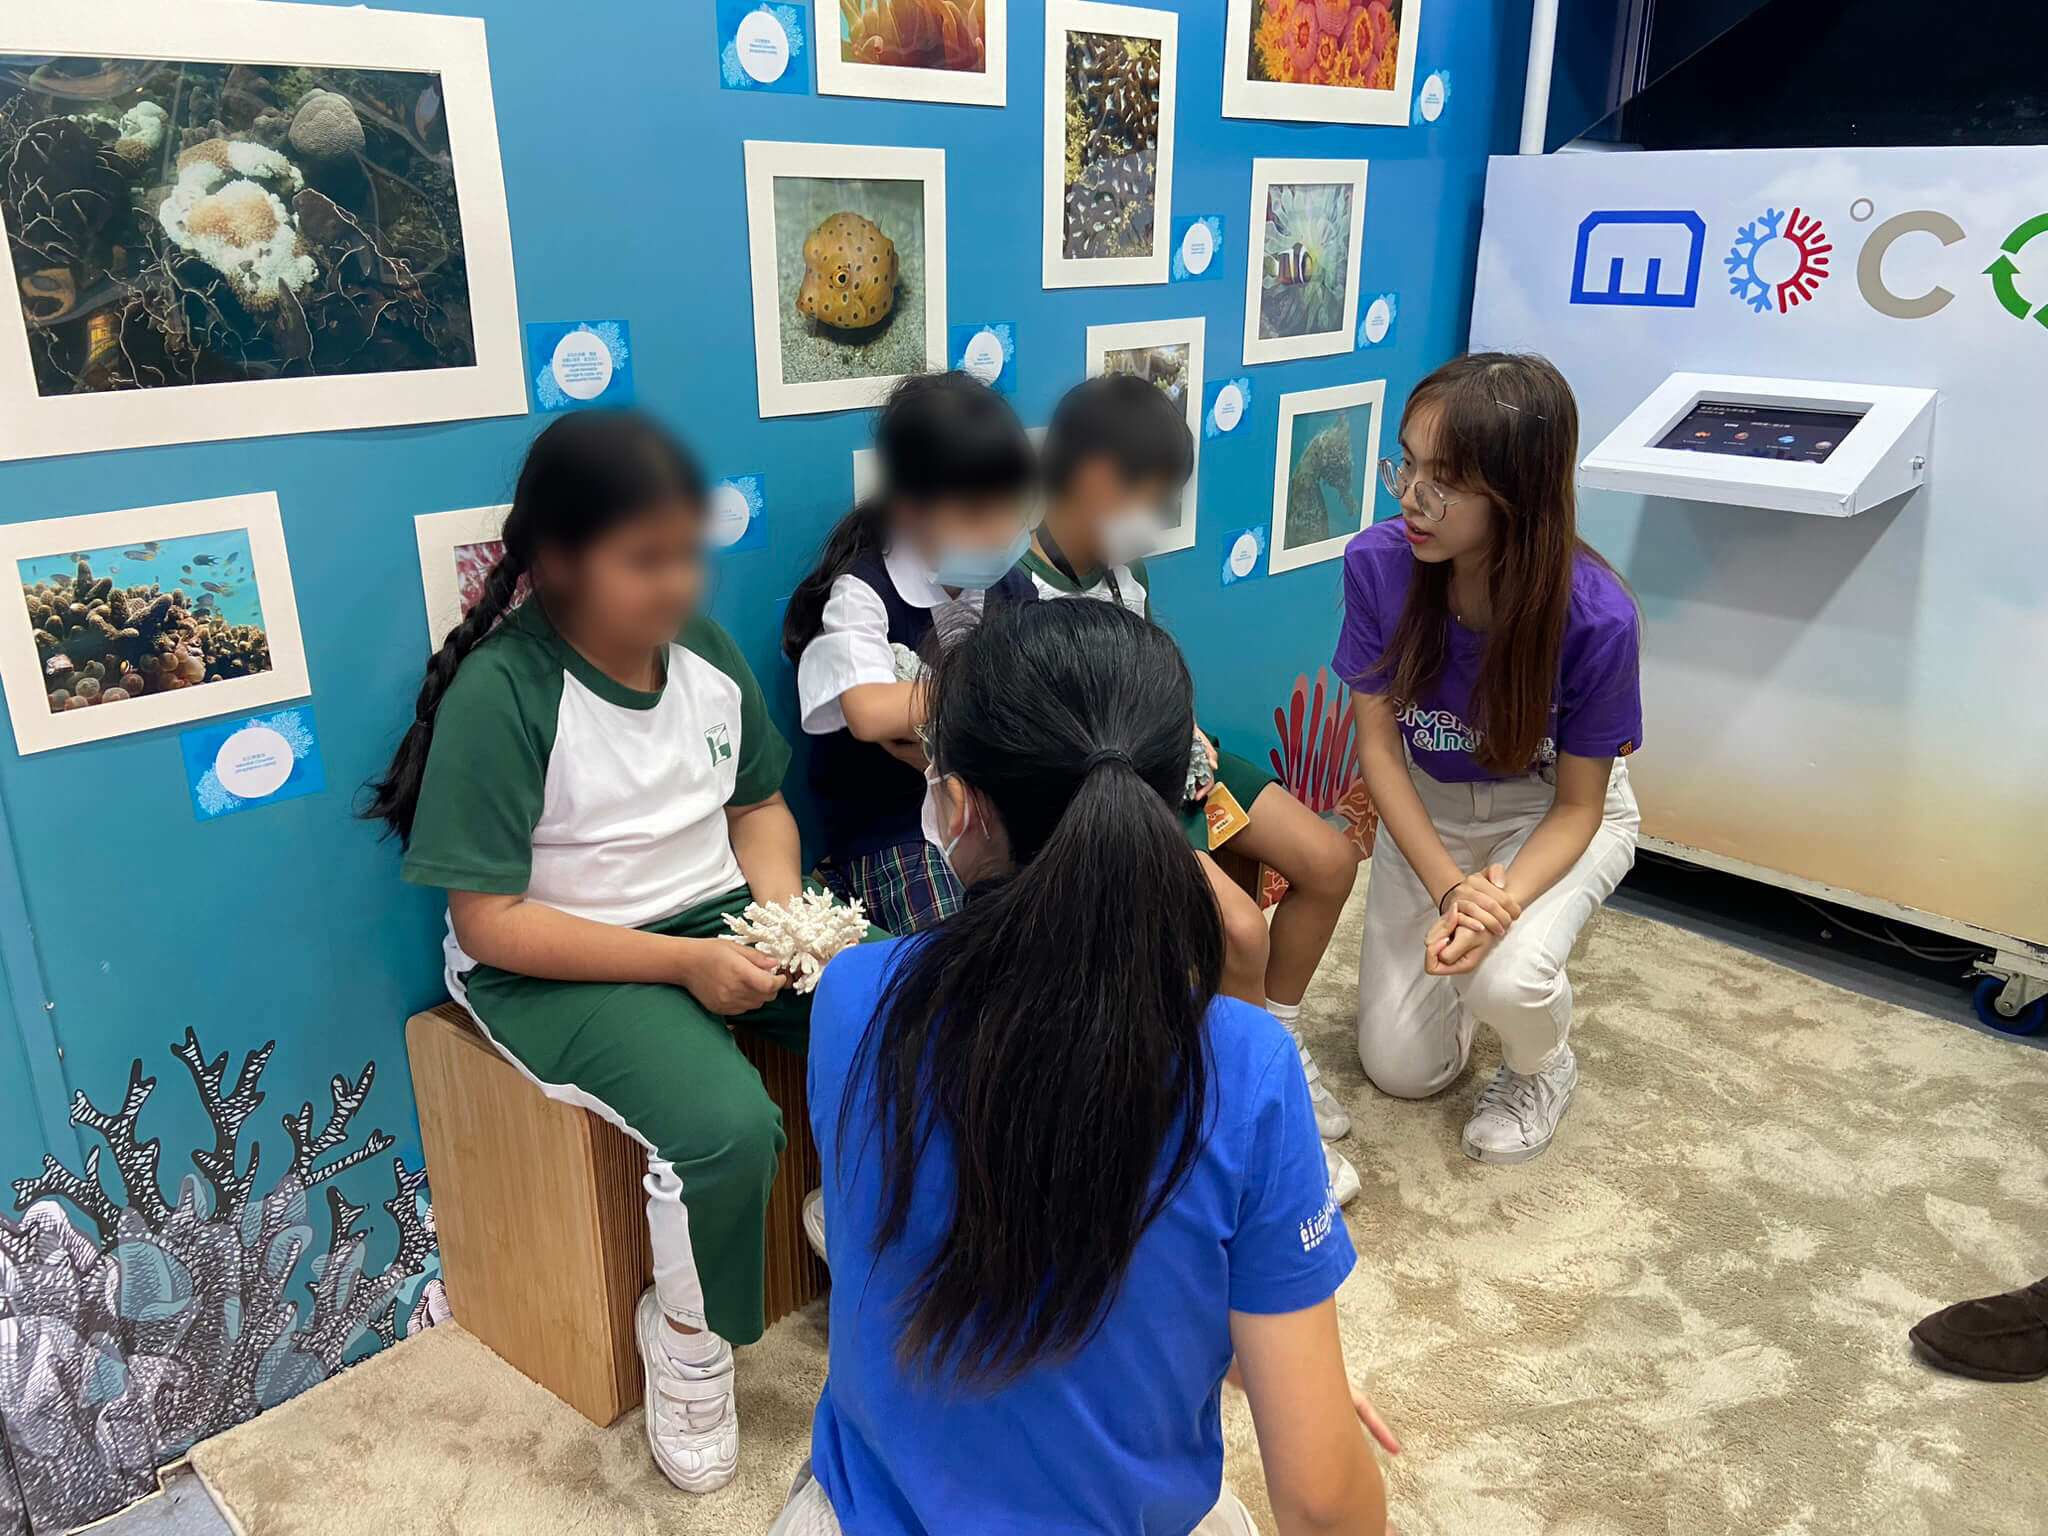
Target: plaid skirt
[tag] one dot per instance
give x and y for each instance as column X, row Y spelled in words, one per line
column 905, row 887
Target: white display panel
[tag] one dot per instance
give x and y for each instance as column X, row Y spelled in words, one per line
column 1852, row 704
column 1881, row 454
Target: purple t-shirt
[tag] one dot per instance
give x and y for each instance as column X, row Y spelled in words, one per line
column 1597, row 710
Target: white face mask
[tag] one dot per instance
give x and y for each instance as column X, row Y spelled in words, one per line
column 930, row 819
column 1131, row 535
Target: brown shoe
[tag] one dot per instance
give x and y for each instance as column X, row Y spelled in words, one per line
column 1995, row 1338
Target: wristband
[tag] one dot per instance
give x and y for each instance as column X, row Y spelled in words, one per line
column 1448, row 890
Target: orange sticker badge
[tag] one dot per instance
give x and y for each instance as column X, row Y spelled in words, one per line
column 1626, row 748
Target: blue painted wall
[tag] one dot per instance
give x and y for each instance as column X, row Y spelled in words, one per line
column 623, row 163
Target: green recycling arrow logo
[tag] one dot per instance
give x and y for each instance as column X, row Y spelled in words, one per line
column 2005, row 269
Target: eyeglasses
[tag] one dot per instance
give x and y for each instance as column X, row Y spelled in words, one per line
column 1431, row 499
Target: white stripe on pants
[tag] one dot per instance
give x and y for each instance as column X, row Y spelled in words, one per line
column 809, row 1513
column 1415, row 1030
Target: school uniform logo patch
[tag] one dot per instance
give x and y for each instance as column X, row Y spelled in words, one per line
column 718, row 741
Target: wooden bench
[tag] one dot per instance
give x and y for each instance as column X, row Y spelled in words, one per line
column 542, row 1220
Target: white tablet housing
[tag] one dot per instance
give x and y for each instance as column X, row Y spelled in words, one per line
column 1791, row 445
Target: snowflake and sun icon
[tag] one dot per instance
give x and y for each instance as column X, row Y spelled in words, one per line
column 1780, row 261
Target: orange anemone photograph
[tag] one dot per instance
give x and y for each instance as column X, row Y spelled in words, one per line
column 915, row 50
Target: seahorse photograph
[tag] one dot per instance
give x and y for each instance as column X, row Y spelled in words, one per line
column 1112, row 146
column 176, row 223
column 850, row 275
column 1327, row 475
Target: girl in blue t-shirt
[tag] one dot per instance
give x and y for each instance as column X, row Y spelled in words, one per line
column 1066, row 1183
column 935, row 544
column 1493, row 658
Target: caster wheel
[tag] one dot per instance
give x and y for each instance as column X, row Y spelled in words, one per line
column 2027, row 1021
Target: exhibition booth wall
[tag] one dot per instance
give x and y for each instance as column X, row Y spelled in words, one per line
column 186, row 1244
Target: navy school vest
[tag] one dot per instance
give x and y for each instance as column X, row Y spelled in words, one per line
column 871, row 800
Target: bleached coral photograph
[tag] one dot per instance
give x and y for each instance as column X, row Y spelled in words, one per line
column 188, row 236
column 179, row 223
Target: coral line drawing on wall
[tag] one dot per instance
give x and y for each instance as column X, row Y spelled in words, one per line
column 145, row 1324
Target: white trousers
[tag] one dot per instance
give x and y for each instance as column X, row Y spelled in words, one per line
column 1415, row 1030
column 809, row 1513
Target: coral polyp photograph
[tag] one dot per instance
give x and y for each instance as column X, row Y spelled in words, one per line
column 183, row 233
column 1320, row 61
column 915, row 50
column 1109, row 143
column 848, row 255
column 131, row 620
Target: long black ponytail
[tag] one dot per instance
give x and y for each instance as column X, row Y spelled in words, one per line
column 937, row 436
column 586, row 473
column 1053, row 1028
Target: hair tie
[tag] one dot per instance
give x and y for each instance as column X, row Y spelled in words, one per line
column 1103, row 755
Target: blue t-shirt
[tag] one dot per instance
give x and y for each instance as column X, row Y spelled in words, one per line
column 1124, row 1438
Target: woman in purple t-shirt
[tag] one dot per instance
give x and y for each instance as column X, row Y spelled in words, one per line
column 1493, row 658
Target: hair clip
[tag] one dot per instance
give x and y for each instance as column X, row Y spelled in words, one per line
column 1518, row 410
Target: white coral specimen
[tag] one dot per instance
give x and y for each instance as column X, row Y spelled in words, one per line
column 910, row 667
column 226, row 210
column 801, row 934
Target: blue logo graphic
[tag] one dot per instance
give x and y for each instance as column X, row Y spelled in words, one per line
column 1633, row 257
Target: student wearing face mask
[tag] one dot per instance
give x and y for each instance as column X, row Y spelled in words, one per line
column 930, row 551
column 1117, row 455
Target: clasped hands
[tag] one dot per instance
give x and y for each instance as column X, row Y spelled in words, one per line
column 1476, row 912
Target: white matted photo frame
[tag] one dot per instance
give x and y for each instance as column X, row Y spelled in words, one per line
column 355, row 173
column 1320, row 61
column 1167, row 354
column 457, row 551
column 127, row 621
column 893, row 49
column 1325, row 472
column 1307, row 227
column 848, row 255
column 1110, row 74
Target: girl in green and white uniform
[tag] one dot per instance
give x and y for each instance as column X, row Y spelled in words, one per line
column 593, row 778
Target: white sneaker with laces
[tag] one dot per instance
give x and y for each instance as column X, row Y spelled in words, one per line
column 814, row 1221
column 1331, row 1119
column 693, row 1425
column 1518, row 1113
column 1342, row 1176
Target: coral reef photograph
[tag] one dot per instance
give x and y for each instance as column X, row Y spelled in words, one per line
column 1306, row 266
column 1112, row 146
column 850, row 273
column 915, row 34
column 192, row 223
column 1349, row 44
column 115, row 624
column 1326, row 474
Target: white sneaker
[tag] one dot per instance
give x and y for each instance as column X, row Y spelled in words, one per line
column 1342, row 1176
column 814, row 1221
column 693, row 1424
column 1518, row 1114
column 1331, row 1119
